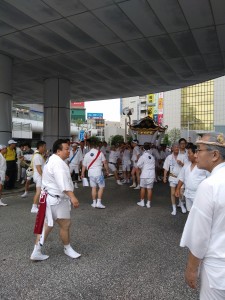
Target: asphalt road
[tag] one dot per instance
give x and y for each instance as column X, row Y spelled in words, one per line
column 128, row 252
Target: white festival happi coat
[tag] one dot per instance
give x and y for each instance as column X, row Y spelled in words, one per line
column 191, row 179
column 2, row 167
column 204, row 231
column 55, row 180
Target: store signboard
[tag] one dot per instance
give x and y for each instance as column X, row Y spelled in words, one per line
column 94, row 115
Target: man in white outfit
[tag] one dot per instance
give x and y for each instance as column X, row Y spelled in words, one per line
column 57, row 183
column 114, row 155
column 191, row 176
column 74, row 162
column 173, row 164
column 204, row 231
column 146, row 164
column 37, row 163
column 135, row 171
column 93, row 161
column 3, row 167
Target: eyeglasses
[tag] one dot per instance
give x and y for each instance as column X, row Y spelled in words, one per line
column 199, row 150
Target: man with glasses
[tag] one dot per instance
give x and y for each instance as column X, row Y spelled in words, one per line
column 204, row 232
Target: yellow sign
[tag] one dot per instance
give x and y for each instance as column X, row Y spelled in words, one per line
column 150, row 111
column 151, row 98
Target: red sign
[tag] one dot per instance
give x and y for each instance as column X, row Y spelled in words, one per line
column 74, row 104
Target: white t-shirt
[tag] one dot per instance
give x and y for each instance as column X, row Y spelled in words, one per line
column 2, row 167
column 37, row 160
column 113, row 156
column 191, row 179
column 76, row 159
column 170, row 164
column 56, row 177
column 135, row 153
column 126, row 156
column 204, row 231
column 96, row 168
column 147, row 165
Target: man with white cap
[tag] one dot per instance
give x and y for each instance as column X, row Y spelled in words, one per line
column 204, row 231
column 11, row 170
column 3, row 150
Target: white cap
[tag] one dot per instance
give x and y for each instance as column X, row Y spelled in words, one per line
column 11, row 142
column 74, row 144
column 2, row 147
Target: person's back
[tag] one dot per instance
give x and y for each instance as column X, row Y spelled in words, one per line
column 147, row 165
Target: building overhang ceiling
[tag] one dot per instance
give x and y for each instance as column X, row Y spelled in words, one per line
column 112, row 48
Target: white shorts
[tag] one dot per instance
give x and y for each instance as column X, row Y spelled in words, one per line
column 207, row 293
column 75, row 169
column 126, row 167
column 37, row 181
column 135, row 165
column 147, row 183
column 97, row 181
column 173, row 181
column 112, row 167
column 61, row 210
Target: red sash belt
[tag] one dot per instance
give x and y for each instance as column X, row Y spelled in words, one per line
column 39, row 223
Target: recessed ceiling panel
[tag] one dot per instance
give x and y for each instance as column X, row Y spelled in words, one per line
column 170, row 14
column 142, row 15
column 118, row 22
column 94, row 28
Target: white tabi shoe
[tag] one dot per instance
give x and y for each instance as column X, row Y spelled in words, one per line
column 137, row 187
column 100, row 205
column 133, row 185
column 34, row 210
column 71, row 253
column 38, row 256
column 2, row 204
column 25, row 194
column 141, row 203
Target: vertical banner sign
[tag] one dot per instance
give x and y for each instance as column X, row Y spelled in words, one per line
column 151, row 102
column 81, row 135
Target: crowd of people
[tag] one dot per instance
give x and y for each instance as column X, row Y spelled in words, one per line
column 195, row 173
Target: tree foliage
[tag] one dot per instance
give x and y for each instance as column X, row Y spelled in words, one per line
column 116, row 139
column 174, row 135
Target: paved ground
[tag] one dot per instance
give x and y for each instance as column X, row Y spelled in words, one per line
column 128, row 252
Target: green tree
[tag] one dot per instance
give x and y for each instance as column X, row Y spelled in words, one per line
column 116, row 139
column 166, row 140
column 174, row 135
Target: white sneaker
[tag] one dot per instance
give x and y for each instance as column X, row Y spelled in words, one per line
column 141, row 203
column 93, row 205
column 124, row 181
column 119, row 182
column 23, row 181
column 100, row 205
column 173, row 213
column 133, row 185
column 137, row 187
column 148, row 204
column 25, row 194
column 183, row 209
column 2, row 204
column 75, row 185
column 37, row 255
column 34, row 210
column 71, row 253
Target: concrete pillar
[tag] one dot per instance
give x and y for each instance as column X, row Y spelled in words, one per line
column 5, row 99
column 56, row 110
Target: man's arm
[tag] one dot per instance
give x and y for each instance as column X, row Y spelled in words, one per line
column 191, row 272
column 179, row 185
column 105, row 163
column 73, row 198
column 39, row 169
